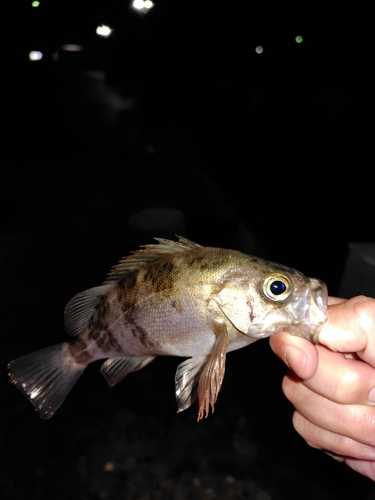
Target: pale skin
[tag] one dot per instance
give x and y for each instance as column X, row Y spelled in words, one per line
column 332, row 387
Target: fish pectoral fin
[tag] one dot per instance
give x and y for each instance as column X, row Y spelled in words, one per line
column 202, row 376
column 115, row 369
column 213, row 372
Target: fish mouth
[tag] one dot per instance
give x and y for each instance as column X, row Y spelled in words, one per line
column 314, row 311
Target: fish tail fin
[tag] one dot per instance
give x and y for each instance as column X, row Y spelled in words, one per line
column 45, row 377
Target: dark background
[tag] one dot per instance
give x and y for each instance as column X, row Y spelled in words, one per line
column 266, row 153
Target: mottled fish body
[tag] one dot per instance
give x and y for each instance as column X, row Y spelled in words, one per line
column 173, row 299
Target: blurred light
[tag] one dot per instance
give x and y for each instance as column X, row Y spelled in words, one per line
column 299, row 39
column 259, row 49
column 72, row 47
column 35, row 4
column 143, row 5
column 35, row 55
column 103, row 30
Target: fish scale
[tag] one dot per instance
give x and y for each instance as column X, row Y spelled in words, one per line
column 173, row 298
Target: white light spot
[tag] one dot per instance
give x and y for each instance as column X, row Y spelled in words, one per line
column 143, row 5
column 259, row 49
column 33, row 394
column 35, row 55
column 103, row 30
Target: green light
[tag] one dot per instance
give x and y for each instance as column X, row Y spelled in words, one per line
column 35, row 4
column 299, row 39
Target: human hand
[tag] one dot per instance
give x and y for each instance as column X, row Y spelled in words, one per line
column 333, row 384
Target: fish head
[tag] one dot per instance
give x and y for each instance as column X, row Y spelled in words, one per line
column 279, row 299
column 289, row 301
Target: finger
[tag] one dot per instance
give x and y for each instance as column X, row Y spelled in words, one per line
column 353, row 422
column 337, row 444
column 335, row 300
column 351, row 328
column 342, row 380
column 365, row 467
column 297, row 353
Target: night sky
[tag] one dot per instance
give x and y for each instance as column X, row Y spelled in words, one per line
column 268, row 153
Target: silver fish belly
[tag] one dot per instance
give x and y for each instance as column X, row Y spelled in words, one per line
column 173, row 299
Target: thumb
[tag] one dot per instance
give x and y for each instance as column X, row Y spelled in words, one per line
column 351, row 328
column 297, row 353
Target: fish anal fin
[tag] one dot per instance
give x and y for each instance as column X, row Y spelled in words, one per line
column 115, row 369
column 211, row 378
column 82, row 307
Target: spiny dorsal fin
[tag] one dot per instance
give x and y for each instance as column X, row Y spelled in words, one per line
column 147, row 254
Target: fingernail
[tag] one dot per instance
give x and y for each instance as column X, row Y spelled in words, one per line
column 295, row 359
column 372, row 396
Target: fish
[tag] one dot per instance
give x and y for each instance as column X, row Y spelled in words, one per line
column 173, row 298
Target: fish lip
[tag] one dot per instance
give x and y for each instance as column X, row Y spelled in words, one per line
column 314, row 303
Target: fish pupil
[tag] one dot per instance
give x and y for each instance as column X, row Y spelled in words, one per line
column 277, row 287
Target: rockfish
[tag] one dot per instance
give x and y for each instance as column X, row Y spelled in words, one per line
column 173, row 299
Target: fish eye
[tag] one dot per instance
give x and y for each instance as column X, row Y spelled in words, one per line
column 277, row 287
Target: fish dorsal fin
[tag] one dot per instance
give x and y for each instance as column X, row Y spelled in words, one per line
column 81, row 308
column 148, row 253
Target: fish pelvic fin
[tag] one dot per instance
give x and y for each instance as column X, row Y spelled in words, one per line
column 186, row 381
column 115, row 369
column 45, row 377
column 202, row 376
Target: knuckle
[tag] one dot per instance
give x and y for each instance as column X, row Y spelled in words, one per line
column 288, row 387
column 348, row 384
column 358, row 424
column 364, row 308
column 306, row 430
